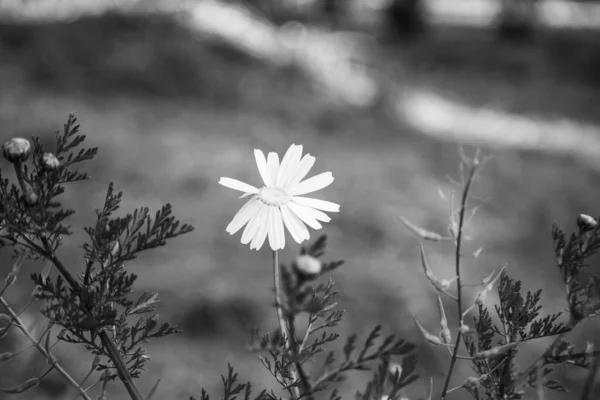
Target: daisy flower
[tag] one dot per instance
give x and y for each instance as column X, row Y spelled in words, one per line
column 279, row 202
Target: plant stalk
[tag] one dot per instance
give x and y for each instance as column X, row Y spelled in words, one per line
column 283, row 328
column 461, row 221
column 43, row 351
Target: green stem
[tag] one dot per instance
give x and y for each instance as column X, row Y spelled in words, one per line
column 461, row 221
column 283, row 329
column 43, row 351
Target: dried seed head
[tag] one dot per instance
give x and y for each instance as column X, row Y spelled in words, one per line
column 586, row 223
column 49, row 161
column 16, row 150
column 308, row 266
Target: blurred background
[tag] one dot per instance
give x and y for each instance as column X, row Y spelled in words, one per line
column 382, row 92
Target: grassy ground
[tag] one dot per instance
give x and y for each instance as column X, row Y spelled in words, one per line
column 172, row 114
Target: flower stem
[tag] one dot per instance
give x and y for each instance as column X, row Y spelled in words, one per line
column 461, row 222
column 283, row 328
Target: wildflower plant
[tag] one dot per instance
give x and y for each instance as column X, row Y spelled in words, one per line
column 92, row 307
column 297, row 291
column 497, row 332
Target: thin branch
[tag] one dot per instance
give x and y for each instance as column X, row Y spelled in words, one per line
column 281, row 318
column 589, row 382
column 459, row 235
column 19, row 324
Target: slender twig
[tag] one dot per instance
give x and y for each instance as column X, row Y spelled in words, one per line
column 589, row 382
column 19, row 324
column 294, row 349
column 281, row 318
column 461, row 221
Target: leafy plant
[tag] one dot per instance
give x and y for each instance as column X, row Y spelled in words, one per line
column 93, row 307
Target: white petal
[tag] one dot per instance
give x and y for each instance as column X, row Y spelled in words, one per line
column 273, row 242
column 293, row 166
column 261, row 162
column 237, row 185
column 255, row 223
column 294, row 225
column 273, row 166
column 313, row 184
column 242, row 217
column 304, row 216
column 280, row 229
column 316, row 214
column 305, row 165
column 287, row 163
column 260, row 236
column 318, row 204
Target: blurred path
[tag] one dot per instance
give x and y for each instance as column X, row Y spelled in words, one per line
column 337, row 63
column 446, row 120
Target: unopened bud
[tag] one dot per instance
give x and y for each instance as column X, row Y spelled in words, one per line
column 308, row 266
column 429, row 337
column 464, row 329
column 116, row 248
column 586, row 223
column 395, row 368
column 446, row 335
column 49, row 161
column 16, row 150
column 471, row 383
column 31, row 383
column 30, row 198
column 494, row 351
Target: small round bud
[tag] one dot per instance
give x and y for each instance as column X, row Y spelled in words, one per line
column 31, row 198
column 586, row 223
column 308, row 266
column 50, row 162
column 464, row 329
column 16, row 150
column 394, row 368
column 445, row 284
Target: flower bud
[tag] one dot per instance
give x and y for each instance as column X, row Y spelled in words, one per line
column 429, row 337
column 394, row 368
column 30, row 198
column 16, row 150
column 495, row 351
column 308, row 266
column 586, row 223
column 464, row 329
column 50, row 162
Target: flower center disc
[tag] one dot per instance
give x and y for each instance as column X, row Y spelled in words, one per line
column 273, row 196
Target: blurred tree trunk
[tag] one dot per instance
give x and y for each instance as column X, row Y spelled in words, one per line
column 517, row 19
column 405, row 18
